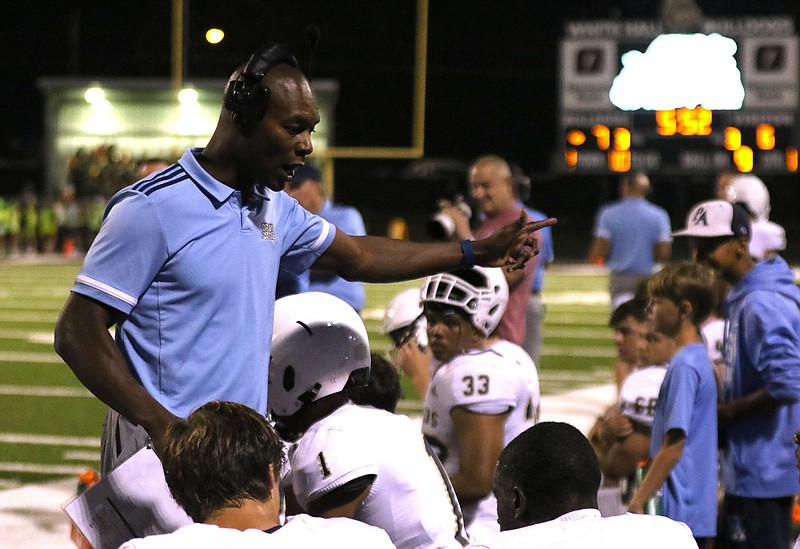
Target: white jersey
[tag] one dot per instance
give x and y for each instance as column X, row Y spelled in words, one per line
column 766, row 236
column 299, row 531
column 639, row 393
column 410, row 498
column 586, row 528
column 713, row 334
column 493, row 380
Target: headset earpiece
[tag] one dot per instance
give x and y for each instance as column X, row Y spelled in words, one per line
column 246, row 97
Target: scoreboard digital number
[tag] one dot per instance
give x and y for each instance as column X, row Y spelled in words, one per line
column 632, row 100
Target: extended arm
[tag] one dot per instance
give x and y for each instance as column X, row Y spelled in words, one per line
column 378, row 259
column 480, row 441
column 415, row 363
column 83, row 341
column 664, row 462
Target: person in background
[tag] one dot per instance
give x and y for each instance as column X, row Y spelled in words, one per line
column 383, row 390
column 630, row 235
column 767, row 238
column 151, row 165
column 306, row 188
column 683, row 443
column 546, row 486
column 404, row 322
column 621, row 436
column 222, row 465
column 629, row 322
column 491, row 188
column 760, row 408
column 536, row 309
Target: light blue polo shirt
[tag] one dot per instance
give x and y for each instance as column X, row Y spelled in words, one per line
column 194, row 271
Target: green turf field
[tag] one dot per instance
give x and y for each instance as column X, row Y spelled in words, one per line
column 50, row 425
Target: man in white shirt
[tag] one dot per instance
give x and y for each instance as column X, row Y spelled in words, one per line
column 546, row 486
column 221, row 466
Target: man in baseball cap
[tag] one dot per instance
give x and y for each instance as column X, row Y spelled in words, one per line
column 761, row 392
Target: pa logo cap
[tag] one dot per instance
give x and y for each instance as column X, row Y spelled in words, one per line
column 715, row 218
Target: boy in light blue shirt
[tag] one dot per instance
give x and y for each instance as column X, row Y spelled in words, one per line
column 683, row 445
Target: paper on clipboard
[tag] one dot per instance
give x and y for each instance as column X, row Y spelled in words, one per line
column 132, row 501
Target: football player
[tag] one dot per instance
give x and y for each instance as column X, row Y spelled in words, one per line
column 483, row 392
column 349, row 460
column 404, row 322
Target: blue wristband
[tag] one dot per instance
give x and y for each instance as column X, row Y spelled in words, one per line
column 468, row 251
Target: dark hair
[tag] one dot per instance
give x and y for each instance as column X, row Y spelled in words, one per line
column 383, row 388
column 637, row 308
column 556, row 468
column 220, row 456
column 692, row 282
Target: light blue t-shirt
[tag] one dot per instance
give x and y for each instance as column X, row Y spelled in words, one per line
column 633, row 226
column 687, row 401
column 193, row 270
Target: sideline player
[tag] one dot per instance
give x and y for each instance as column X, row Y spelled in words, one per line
column 481, row 395
column 546, row 486
column 404, row 322
column 222, row 465
column 622, row 435
column 351, row 461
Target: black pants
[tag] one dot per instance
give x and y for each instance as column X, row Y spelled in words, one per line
column 755, row 523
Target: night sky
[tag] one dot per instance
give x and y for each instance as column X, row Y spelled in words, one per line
column 492, row 65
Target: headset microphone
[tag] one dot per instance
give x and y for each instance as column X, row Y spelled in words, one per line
column 246, row 97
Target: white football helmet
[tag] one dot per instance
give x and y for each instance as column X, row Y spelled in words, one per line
column 319, row 347
column 481, row 292
column 751, row 191
column 403, row 318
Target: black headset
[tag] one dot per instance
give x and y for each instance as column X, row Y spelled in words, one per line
column 245, row 96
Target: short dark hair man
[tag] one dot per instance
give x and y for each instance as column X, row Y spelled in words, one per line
column 222, row 465
column 546, row 485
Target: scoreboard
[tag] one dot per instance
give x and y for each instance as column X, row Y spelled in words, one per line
column 635, row 98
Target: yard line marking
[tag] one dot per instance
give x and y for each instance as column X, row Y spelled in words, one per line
column 39, row 390
column 47, row 358
column 588, row 352
column 41, row 468
column 575, row 298
column 27, row 335
column 575, row 375
column 76, row 455
column 582, row 333
column 16, row 317
column 50, row 440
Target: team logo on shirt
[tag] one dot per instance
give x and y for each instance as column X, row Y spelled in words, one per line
column 267, row 231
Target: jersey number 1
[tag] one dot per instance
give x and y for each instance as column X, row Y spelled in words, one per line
column 323, row 466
